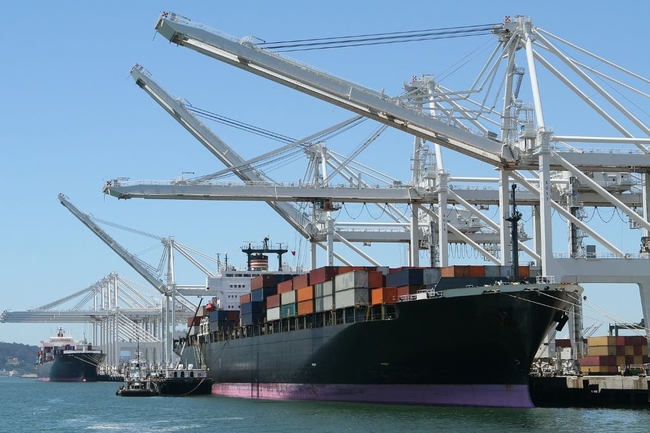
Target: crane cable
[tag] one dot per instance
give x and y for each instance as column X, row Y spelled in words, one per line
column 378, row 38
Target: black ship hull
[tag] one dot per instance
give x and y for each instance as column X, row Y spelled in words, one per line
column 181, row 387
column 469, row 347
column 70, row 368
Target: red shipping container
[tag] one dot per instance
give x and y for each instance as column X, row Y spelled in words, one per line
column 323, row 274
column 383, row 295
column 273, row 301
column 620, row 350
column 244, row 298
column 305, row 307
column 305, row 294
column 285, row 286
column 300, row 281
column 376, row 279
column 637, row 350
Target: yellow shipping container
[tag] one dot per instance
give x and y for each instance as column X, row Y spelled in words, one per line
column 599, row 369
column 620, row 360
column 629, row 350
column 644, row 349
column 602, row 350
column 601, row 341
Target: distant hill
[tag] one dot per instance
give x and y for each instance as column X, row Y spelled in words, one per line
column 19, row 357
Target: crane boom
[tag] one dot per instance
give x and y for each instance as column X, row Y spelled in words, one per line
column 114, row 245
column 358, row 99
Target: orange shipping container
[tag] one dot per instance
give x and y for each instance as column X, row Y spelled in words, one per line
column 305, row 307
column 524, row 272
column 285, row 286
column 477, row 271
column 305, row 294
column 383, row 295
column 245, row 298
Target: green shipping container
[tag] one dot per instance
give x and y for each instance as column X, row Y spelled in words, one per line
column 288, row 310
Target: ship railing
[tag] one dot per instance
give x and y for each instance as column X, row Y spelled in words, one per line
column 545, row 279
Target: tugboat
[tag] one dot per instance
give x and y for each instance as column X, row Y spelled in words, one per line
column 137, row 383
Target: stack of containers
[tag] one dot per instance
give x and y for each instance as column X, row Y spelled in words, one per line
column 352, row 288
column 253, row 305
column 610, row 354
column 223, row 319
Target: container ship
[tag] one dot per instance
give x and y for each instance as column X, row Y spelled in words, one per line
column 63, row 359
column 457, row 335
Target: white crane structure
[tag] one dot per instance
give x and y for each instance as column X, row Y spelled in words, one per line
column 487, row 122
column 121, row 312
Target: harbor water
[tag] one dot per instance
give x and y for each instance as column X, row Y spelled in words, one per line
column 32, row 406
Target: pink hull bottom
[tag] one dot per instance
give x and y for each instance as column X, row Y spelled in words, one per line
column 442, row 395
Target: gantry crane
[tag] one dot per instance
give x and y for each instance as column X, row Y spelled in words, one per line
column 525, row 143
column 174, row 304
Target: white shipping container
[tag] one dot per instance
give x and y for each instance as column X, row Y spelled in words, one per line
column 328, row 288
column 288, row 298
column 352, row 297
column 318, row 290
column 351, row 280
column 273, row 313
column 326, row 303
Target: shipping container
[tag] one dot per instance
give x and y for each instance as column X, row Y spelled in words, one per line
column 405, row 277
column 305, row 294
column 224, row 315
column 251, row 318
column 285, row 286
column 318, row 290
column 357, row 297
column 351, row 280
column 600, row 369
column 243, row 299
column 376, row 279
column 269, row 280
column 493, row 271
column 300, row 281
column 288, row 310
column 383, row 295
column 601, row 341
column 288, row 298
column 252, row 307
column 407, row 290
column 602, row 350
column 223, row 324
column 323, row 274
column 430, row 276
column 326, row 303
column 259, row 295
column 328, row 288
column 634, row 340
column 598, row 360
column 306, row 307
column 273, row 301
column 273, row 313
column 476, row 271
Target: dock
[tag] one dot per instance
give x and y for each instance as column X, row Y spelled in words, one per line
column 591, row 391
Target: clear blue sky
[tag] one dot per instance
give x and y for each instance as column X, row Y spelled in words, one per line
column 72, row 118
